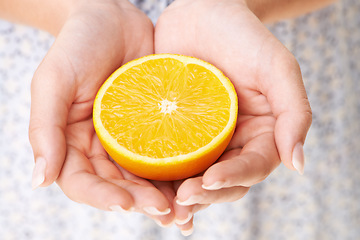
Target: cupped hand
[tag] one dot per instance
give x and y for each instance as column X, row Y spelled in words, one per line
column 97, row 38
column 274, row 113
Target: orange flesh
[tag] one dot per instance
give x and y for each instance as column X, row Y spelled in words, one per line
column 163, row 108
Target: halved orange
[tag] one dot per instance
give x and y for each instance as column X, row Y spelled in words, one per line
column 165, row 116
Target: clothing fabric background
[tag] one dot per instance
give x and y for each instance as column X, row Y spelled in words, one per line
column 324, row 203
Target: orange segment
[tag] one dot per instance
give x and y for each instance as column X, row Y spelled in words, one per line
column 165, row 116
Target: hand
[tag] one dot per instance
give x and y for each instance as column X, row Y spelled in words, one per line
column 274, row 113
column 97, row 38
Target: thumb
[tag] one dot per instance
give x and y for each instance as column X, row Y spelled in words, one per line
column 288, row 99
column 51, row 97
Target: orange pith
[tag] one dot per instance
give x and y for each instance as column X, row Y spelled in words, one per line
column 165, row 116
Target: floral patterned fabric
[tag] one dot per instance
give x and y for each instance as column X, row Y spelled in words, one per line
column 324, row 203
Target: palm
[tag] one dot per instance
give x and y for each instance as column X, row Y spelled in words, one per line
column 101, row 42
column 89, row 176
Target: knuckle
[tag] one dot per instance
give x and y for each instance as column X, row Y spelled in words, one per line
column 35, row 127
column 237, row 193
column 287, row 61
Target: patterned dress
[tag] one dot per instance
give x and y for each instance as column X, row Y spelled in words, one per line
column 324, row 203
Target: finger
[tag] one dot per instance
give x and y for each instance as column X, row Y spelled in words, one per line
column 249, row 127
column 183, row 214
column 104, row 166
column 187, row 228
column 184, row 218
column 167, row 189
column 51, row 96
column 191, row 192
column 288, row 99
column 130, row 176
column 146, row 198
column 79, row 182
column 244, row 167
column 107, row 170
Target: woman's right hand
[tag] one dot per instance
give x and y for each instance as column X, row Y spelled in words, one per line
column 96, row 38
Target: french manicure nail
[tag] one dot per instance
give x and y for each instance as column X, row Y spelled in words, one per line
column 298, row 158
column 190, row 201
column 183, row 221
column 158, row 222
column 154, row 211
column 215, row 186
column 118, row 208
column 187, row 232
column 38, row 176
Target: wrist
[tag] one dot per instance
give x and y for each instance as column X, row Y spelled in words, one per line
column 52, row 15
column 275, row 10
column 258, row 8
column 43, row 14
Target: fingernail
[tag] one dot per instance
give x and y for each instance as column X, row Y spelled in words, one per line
column 184, row 221
column 298, row 158
column 187, row 232
column 118, row 208
column 38, row 176
column 190, row 201
column 158, row 222
column 155, row 211
column 215, row 186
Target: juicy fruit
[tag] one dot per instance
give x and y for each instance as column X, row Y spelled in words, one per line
column 165, row 116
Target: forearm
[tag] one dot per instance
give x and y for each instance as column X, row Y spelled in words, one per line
column 274, row 10
column 48, row 15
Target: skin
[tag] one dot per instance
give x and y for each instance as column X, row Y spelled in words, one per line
column 61, row 128
column 274, row 113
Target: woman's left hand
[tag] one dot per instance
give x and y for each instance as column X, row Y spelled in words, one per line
column 274, row 113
